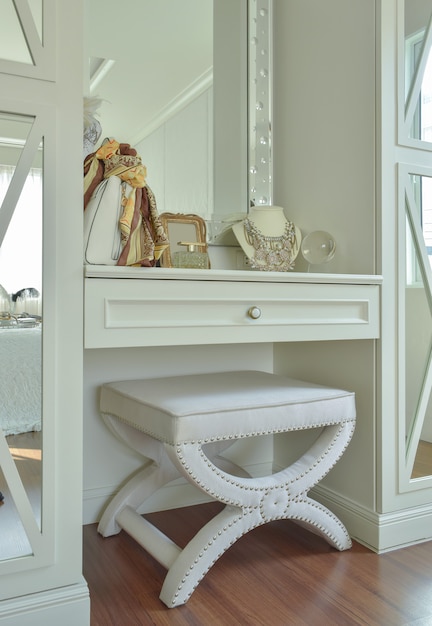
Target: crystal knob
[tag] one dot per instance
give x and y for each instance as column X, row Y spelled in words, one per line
column 254, row 312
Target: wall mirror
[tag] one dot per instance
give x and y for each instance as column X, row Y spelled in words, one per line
column 189, row 86
column 417, row 313
column 27, row 140
column 20, row 334
column 415, row 200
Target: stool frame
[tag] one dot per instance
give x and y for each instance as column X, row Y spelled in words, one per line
column 249, row 502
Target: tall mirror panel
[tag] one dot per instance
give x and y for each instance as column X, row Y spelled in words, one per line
column 20, row 334
column 415, row 132
column 418, row 326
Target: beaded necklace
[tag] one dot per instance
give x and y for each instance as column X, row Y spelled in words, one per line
column 271, row 253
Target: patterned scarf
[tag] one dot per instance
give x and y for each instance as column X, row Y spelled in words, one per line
column 143, row 238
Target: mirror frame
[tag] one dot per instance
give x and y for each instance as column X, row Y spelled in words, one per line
column 260, row 102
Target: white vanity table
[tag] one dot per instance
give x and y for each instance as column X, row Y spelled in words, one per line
column 141, row 323
column 130, row 307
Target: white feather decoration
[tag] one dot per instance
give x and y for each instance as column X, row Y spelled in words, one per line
column 91, row 106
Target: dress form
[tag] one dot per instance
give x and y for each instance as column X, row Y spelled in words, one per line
column 268, row 239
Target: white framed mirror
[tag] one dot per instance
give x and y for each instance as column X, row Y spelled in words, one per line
column 415, row 215
column 190, row 88
column 27, row 158
column 415, row 189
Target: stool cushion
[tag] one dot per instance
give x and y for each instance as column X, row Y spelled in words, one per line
column 224, row 405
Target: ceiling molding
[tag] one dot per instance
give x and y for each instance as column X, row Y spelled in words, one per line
column 185, row 97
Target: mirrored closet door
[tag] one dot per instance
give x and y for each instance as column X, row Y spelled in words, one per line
column 26, row 149
column 415, row 202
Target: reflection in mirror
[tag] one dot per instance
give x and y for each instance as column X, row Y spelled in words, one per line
column 13, row 42
column 418, row 69
column 418, row 326
column 20, row 336
column 155, row 87
column 186, row 110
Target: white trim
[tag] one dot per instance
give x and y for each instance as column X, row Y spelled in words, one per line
column 167, row 273
column 381, row 532
column 182, row 100
column 68, row 606
column 103, row 69
column 175, row 495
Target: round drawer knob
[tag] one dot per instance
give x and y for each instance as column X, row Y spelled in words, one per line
column 254, row 312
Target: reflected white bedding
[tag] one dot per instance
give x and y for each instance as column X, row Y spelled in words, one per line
column 20, row 380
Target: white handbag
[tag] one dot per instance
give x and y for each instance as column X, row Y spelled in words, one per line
column 102, row 241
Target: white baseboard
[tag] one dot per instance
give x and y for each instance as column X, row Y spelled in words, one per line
column 381, row 532
column 177, row 494
column 68, row 606
column 172, row 496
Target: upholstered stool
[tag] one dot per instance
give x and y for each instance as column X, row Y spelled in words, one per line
column 182, row 423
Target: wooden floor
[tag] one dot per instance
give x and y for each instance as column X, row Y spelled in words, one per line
column 277, row 575
column 26, row 452
column 423, row 460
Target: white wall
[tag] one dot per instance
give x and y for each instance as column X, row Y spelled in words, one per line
column 324, row 124
column 178, row 157
column 325, row 178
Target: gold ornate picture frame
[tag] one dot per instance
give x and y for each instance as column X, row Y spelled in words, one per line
column 182, row 227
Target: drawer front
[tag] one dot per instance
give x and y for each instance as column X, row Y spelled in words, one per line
column 128, row 313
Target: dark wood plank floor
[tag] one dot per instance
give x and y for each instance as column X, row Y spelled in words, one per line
column 277, row 575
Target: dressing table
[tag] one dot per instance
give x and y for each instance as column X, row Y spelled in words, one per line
column 141, row 323
column 172, row 309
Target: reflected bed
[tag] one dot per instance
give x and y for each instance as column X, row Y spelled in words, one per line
column 20, row 388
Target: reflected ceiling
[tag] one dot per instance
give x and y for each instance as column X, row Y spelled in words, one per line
column 159, row 49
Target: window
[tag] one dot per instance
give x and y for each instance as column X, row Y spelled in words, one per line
column 21, row 249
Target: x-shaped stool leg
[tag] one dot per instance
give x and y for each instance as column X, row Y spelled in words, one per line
column 251, row 502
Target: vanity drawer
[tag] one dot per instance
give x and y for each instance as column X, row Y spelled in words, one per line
column 127, row 312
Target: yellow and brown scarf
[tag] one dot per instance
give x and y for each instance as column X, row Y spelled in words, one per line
column 142, row 235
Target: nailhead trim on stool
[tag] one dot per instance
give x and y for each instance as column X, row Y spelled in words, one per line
column 170, row 421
